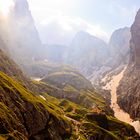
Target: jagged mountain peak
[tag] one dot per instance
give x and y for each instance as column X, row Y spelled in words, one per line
column 85, row 36
column 135, row 41
column 128, row 90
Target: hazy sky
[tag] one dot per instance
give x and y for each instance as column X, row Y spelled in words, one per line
column 99, row 17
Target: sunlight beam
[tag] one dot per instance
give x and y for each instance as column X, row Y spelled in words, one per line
column 5, row 6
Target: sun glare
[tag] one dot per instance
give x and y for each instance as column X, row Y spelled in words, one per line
column 5, row 6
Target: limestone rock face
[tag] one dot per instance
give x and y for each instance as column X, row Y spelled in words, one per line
column 87, row 53
column 20, row 35
column 119, row 46
column 128, row 90
column 135, row 41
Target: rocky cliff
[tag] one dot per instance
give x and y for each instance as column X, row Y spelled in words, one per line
column 75, row 113
column 119, row 47
column 63, row 105
column 87, row 53
column 24, row 115
column 128, row 91
column 19, row 33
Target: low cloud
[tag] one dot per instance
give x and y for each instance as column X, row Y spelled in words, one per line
column 61, row 29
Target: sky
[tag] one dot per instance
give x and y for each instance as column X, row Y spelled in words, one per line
column 64, row 18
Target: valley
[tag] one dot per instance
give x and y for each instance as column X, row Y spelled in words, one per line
column 75, row 84
column 118, row 112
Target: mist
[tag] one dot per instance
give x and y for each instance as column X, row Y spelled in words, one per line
column 71, row 64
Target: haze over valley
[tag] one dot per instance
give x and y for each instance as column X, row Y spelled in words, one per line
column 69, row 70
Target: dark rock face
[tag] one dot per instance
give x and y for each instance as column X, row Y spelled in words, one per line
column 135, row 41
column 27, row 118
column 100, row 118
column 128, row 90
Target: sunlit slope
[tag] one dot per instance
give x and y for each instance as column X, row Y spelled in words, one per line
column 25, row 114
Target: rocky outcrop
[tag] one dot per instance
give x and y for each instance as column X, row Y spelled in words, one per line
column 87, row 53
column 22, row 114
column 135, row 41
column 26, row 116
column 128, row 91
column 27, row 111
column 100, row 118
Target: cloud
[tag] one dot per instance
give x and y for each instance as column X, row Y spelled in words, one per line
column 65, row 17
column 61, row 29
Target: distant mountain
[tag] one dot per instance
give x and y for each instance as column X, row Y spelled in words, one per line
column 94, row 58
column 119, row 46
column 87, row 52
column 20, row 34
column 128, row 91
column 90, row 55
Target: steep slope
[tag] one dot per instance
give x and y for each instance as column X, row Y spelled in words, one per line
column 119, row 47
column 23, row 115
column 87, row 53
column 19, row 33
column 9, row 67
column 128, row 91
column 62, row 106
column 26, row 116
column 90, row 115
column 91, row 55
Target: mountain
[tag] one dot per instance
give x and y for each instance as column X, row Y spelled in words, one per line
column 20, row 35
column 62, row 104
column 55, row 112
column 90, row 55
column 87, row 53
column 24, row 115
column 94, row 58
column 82, row 105
column 119, row 47
column 128, row 91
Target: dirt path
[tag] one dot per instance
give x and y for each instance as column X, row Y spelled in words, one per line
column 119, row 113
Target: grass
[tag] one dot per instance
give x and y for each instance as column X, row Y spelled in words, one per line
column 69, row 88
column 58, row 108
column 12, row 85
column 9, row 121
